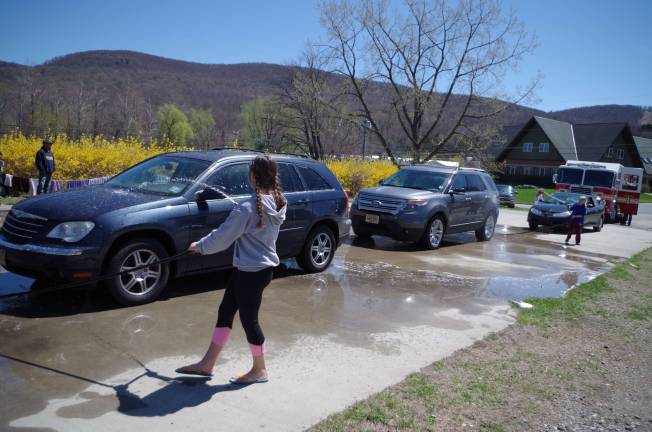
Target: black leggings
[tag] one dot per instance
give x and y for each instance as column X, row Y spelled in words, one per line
column 244, row 293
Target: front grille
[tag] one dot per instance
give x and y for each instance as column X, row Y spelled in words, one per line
column 380, row 204
column 581, row 190
column 20, row 226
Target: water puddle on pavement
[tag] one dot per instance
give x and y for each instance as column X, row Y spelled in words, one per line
column 380, row 298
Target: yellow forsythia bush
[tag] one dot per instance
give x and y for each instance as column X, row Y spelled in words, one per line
column 356, row 174
column 81, row 158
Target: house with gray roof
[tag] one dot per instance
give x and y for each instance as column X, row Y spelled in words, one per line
column 644, row 147
column 533, row 154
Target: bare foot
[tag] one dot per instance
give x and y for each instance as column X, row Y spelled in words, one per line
column 196, row 369
column 251, row 377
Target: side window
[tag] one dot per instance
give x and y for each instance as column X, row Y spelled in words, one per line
column 474, row 184
column 489, row 182
column 232, row 179
column 290, row 181
column 312, row 179
column 459, row 182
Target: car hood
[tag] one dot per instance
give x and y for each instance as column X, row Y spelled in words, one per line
column 398, row 192
column 84, row 204
column 551, row 208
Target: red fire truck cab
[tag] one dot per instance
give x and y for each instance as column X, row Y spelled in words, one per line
column 617, row 185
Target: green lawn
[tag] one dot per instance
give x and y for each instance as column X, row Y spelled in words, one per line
column 526, row 196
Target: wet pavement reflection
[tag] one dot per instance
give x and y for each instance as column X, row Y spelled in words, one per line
column 52, row 346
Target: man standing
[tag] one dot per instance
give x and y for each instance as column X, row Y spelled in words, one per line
column 45, row 166
column 578, row 211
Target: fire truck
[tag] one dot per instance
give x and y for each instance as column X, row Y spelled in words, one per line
column 617, row 185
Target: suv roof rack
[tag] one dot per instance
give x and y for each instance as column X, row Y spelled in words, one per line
column 258, row 151
column 471, row 169
column 236, row 149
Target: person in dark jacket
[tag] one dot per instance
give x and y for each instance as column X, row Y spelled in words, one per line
column 45, row 166
column 578, row 211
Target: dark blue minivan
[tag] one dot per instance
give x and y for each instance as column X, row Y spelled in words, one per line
column 156, row 209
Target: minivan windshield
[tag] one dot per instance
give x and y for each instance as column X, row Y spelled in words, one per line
column 162, row 175
column 599, row 178
column 506, row 189
column 419, row 179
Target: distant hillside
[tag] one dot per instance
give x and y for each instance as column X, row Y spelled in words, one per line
column 118, row 92
column 601, row 113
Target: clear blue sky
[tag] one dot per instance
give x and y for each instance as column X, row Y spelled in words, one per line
column 591, row 51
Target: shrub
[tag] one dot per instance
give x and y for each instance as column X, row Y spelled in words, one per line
column 356, row 174
column 85, row 157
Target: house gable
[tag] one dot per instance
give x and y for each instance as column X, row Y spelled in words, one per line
column 535, row 134
column 623, row 150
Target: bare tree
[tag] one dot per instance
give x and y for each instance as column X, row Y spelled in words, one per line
column 313, row 101
column 440, row 61
column 80, row 108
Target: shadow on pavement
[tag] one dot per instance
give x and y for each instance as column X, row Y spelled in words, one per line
column 179, row 393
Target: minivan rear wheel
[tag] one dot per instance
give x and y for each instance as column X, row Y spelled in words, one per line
column 318, row 250
column 141, row 285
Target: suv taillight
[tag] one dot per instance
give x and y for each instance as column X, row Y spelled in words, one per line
column 346, row 196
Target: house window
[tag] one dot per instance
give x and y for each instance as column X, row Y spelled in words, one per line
column 610, row 152
column 544, row 147
column 526, row 171
column 542, row 171
column 621, row 154
column 511, row 170
column 527, row 147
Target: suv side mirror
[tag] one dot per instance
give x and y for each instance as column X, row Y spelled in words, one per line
column 458, row 191
column 209, row 193
column 380, row 182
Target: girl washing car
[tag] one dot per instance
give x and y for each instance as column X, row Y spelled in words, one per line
column 254, row 227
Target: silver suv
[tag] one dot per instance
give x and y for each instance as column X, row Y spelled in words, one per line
column 423, row 203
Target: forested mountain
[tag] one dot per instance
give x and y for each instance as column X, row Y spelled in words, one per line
column 117, row 93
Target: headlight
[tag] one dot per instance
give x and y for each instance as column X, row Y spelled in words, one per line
column 536, row 211
column 71, row 232
column 562, row 214
column 414, row 203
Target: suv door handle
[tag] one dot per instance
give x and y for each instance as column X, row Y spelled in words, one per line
column 302, row 202
column 467, row 199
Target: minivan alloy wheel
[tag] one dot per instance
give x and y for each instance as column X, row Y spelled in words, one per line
column 436, row 232
column 140, row 281
column 320, row 249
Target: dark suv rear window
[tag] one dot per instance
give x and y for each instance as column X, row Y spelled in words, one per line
column 313, row 180
column 290, row 181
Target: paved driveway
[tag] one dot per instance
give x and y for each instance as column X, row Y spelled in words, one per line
column 383, row 310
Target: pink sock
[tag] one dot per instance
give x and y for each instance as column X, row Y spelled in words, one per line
column 221, row 335
column 258, row 350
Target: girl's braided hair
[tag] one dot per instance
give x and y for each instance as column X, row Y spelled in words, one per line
column 265, row 172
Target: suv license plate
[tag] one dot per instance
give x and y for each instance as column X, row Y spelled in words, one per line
column 372, row 219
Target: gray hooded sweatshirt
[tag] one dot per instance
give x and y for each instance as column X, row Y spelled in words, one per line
column 255, row 248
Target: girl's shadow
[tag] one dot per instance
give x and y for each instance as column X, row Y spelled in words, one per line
column 177, row 394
